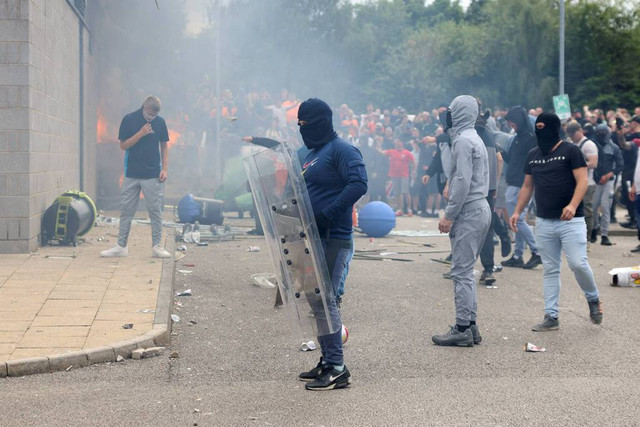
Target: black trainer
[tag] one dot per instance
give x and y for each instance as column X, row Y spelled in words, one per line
column 533, row 262
column 487, row 279
column 548, row 324
column 636, row 249
column 594, row 235
column 313, row 373
column 513, row 262
column 330, row 378
column 604, row 241
column 454, row 338
column 595, row 311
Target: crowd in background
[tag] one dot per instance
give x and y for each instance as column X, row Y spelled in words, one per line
column 398, row 146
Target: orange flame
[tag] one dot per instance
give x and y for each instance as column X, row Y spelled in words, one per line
column 101, row 127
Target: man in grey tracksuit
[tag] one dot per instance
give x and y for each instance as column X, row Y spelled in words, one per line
column 467, row 216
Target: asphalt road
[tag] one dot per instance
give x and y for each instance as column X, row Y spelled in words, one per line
column 238, row 363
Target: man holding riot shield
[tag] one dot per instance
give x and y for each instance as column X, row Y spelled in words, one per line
column 334, row 180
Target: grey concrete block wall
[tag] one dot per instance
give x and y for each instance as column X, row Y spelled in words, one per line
column 39, row 115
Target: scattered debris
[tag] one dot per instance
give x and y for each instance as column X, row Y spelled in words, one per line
column 185, row 271
column 189, row 265
column 69, row 368
column 186, row 293
column 625, row 276
column 61, row 256
column 179, row 256
column 308, row 346
column 143, row 353
column 533, row 348
column 150, row 281
column 253, row 249
column 174, row 355
column 264, row 280
column 119, row 358
column 182, row 248
column 491, row 287
column 127, row 326
column 193, row 322
column 146, row 310
column 203, row 244
column 175, row 318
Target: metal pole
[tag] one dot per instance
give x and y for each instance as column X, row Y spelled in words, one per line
column 218, row 162
column 561, row 71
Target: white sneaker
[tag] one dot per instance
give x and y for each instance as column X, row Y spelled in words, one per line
column 116, row 251
column 159, row 252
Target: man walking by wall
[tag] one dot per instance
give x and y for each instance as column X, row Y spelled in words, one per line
column 143, row 136
column 557, row 171
column 467, row 216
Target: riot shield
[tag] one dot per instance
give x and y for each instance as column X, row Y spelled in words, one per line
column 287, row 218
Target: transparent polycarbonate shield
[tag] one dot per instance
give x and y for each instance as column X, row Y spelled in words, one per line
column 284, row 209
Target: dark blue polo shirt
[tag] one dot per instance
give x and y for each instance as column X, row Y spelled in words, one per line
column 143, row 160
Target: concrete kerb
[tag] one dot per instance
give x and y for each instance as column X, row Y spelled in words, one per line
column 160, row 335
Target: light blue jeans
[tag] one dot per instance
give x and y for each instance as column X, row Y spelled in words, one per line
column 524, row 236
column 553, row 237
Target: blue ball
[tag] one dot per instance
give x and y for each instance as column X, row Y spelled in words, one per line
column 376, row 219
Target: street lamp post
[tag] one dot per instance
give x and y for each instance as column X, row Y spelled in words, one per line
column 561, row 65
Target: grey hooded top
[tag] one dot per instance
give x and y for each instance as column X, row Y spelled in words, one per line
column 469, row 169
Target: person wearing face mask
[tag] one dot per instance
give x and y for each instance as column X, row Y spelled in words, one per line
column 610, row 164
column 557, row 171
column 143, row 136
column 336, row 179
column 523, row 142
column 467, row 215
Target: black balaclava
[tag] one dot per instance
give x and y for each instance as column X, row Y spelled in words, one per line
column 547, row 131
column 602, row 134
column 319, row 128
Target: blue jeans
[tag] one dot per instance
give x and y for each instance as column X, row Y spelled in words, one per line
column 346, row 270
column 554, row 236
column 336, row 252
column 524, row 234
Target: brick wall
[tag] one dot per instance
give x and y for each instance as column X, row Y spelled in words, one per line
column 39, row 115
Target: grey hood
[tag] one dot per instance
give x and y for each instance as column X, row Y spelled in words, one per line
column 464, row 112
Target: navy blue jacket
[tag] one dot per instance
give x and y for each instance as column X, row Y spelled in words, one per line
column 336, row 179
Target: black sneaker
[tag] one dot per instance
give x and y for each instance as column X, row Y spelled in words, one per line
column 513, row 262
column 594, row 235
column 454, row 338
column 447, row 260
column 636, row 249
column 605, row 241
column 330, row 378
column 313, row 373
column 631, row 224
column 487, row 279
column 595, row 311
column 533, row 262
column 475, row 331
column 505, row 245
column 548, row 324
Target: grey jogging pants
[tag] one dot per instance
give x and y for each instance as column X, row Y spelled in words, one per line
column 129, row 198
column 467, row 236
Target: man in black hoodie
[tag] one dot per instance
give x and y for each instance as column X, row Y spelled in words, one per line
column 524, row 141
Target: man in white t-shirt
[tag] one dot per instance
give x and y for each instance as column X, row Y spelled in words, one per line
column 590, row 151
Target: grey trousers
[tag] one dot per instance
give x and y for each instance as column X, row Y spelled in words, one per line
column 129, row 198
column 587, row 204
column 602, row 198
column 467, row 236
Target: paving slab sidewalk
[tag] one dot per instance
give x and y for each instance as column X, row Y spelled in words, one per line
column 65, row 306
